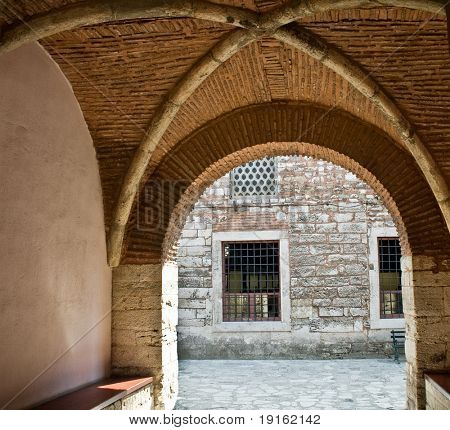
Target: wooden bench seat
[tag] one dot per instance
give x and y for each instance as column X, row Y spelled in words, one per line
column 97, row 396
column 437, row 387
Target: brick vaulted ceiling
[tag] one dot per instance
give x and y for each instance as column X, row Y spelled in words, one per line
column 121, row 71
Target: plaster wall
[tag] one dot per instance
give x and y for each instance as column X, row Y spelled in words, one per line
column 55, row 294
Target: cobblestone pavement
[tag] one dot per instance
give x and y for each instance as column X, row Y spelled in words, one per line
column 291, row 384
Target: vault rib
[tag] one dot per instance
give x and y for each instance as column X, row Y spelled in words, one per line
column 255, row 25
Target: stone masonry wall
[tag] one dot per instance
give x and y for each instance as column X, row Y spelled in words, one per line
column 328, row 213
column 144, row 322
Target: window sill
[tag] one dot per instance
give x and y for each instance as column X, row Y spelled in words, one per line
column 387, row 323
column 262, row 326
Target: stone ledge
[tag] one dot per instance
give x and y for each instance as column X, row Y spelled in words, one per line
column 437, row 387
column 100, row 395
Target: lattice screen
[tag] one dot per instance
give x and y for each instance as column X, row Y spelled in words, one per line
column 257, row 178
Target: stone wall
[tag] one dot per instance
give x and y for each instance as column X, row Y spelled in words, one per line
column 426, row 293
column 141, row 399
column 328, row 214
column 143, row 327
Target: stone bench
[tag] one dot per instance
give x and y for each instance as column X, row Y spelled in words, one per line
column 108, row 394
column 437, row 389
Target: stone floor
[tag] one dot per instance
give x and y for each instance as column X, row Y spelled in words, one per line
column 291, row 384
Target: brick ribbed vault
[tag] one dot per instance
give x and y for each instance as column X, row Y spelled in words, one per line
column 208, row 152
column 254, row 26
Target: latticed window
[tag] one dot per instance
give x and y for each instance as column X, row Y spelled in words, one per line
column 257, row 178
column 251, row 281
column 389, row 254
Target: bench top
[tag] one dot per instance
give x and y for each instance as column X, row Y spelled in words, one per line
column 441, row 379
column 98, row 395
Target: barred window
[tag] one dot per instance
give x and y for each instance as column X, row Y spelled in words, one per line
column 257, row 178
column 389, row 254
column 251, row 286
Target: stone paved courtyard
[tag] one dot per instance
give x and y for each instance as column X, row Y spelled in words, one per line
column 291, row 384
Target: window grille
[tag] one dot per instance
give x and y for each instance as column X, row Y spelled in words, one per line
column 251, row 285
column 389, row 254
column 257, row 178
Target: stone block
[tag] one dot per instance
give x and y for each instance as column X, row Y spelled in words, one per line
column 191, row 303
column 331, row 312
column 312, row 238
column 148, row 337
column 353, row 291
column 299, row 312
column 356, row 248
column 313, row 293
column 123, row 337
column 326, row 271
column 195, row 272
column 191, row 323
column 345, row 238
column 303, row 271
column 190, row 241
column 194, row 251
column 355, row 269
column 324, row 249
column 332, row 325
column 359, row 312
column 189, row 234
column 136, row 319
column 201, row 313
column 139, row 359
column 189, row 281
column 343, row 217
column 133, row 274
column 187, row 314
column 193, row 293
column 321, row 302
column 429, row 301
column 430, row 279
column 192, row 262
column 352, row 227
column 327, row 228
column 347, row 302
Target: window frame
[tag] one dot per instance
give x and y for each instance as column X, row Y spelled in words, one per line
column 376, row 322
column 284, row 324
column 251, row 296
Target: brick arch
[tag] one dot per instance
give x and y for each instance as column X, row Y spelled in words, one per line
column 273, row 149
column 292, row 122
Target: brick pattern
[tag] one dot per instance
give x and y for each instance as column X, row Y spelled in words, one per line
column 231, row 138
column 327, row 211
column 126, row 85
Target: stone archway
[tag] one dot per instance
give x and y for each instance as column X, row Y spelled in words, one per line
column 424, row 287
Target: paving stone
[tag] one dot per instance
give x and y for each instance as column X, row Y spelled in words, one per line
column 291, row 384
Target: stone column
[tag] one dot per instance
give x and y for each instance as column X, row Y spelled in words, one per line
column 144, row 319
column 426, row 297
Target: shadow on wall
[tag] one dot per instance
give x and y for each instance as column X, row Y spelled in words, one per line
column 55, row 294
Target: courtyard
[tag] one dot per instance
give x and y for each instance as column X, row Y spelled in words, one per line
column 291, row 384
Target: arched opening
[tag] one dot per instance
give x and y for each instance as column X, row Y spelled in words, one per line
column 319, row 300
column 242, row 135
column 166, row 119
